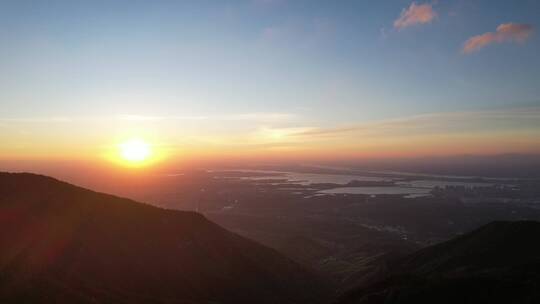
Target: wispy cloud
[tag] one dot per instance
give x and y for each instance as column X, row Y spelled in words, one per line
column 502, row 130
column 507, row 32
column 415, row 14
column 265, row 117
column 453, row 122
column 36, row 119
column 139, row 117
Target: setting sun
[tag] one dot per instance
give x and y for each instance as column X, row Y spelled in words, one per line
column 135, row 151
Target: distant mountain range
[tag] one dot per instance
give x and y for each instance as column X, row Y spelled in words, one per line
column 497, row 263
column 63, row 244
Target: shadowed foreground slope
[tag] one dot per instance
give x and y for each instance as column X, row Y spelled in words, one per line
column 64, row 244
column 497, row 263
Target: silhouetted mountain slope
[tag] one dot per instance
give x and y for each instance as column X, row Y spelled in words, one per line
column 497, row 263
column 496, row 245
column 64, row 244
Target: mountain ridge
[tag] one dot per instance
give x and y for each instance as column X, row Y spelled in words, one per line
column 70, row 244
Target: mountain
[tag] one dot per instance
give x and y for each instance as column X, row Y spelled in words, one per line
column 63, row 244
column 497, row 263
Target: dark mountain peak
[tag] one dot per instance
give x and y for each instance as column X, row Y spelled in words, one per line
column 67, row 244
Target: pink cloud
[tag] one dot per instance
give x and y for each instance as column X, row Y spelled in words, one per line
column 507, row 32
column 415, row 14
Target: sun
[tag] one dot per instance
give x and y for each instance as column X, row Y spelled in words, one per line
column 135, row 151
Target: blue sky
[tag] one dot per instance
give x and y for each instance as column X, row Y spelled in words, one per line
column 323, row 64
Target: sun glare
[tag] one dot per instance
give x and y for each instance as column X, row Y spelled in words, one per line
column 135, row 151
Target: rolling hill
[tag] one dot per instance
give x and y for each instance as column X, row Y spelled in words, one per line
column 497, row 263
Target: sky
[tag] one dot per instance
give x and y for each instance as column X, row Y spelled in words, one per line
column 269, row 78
